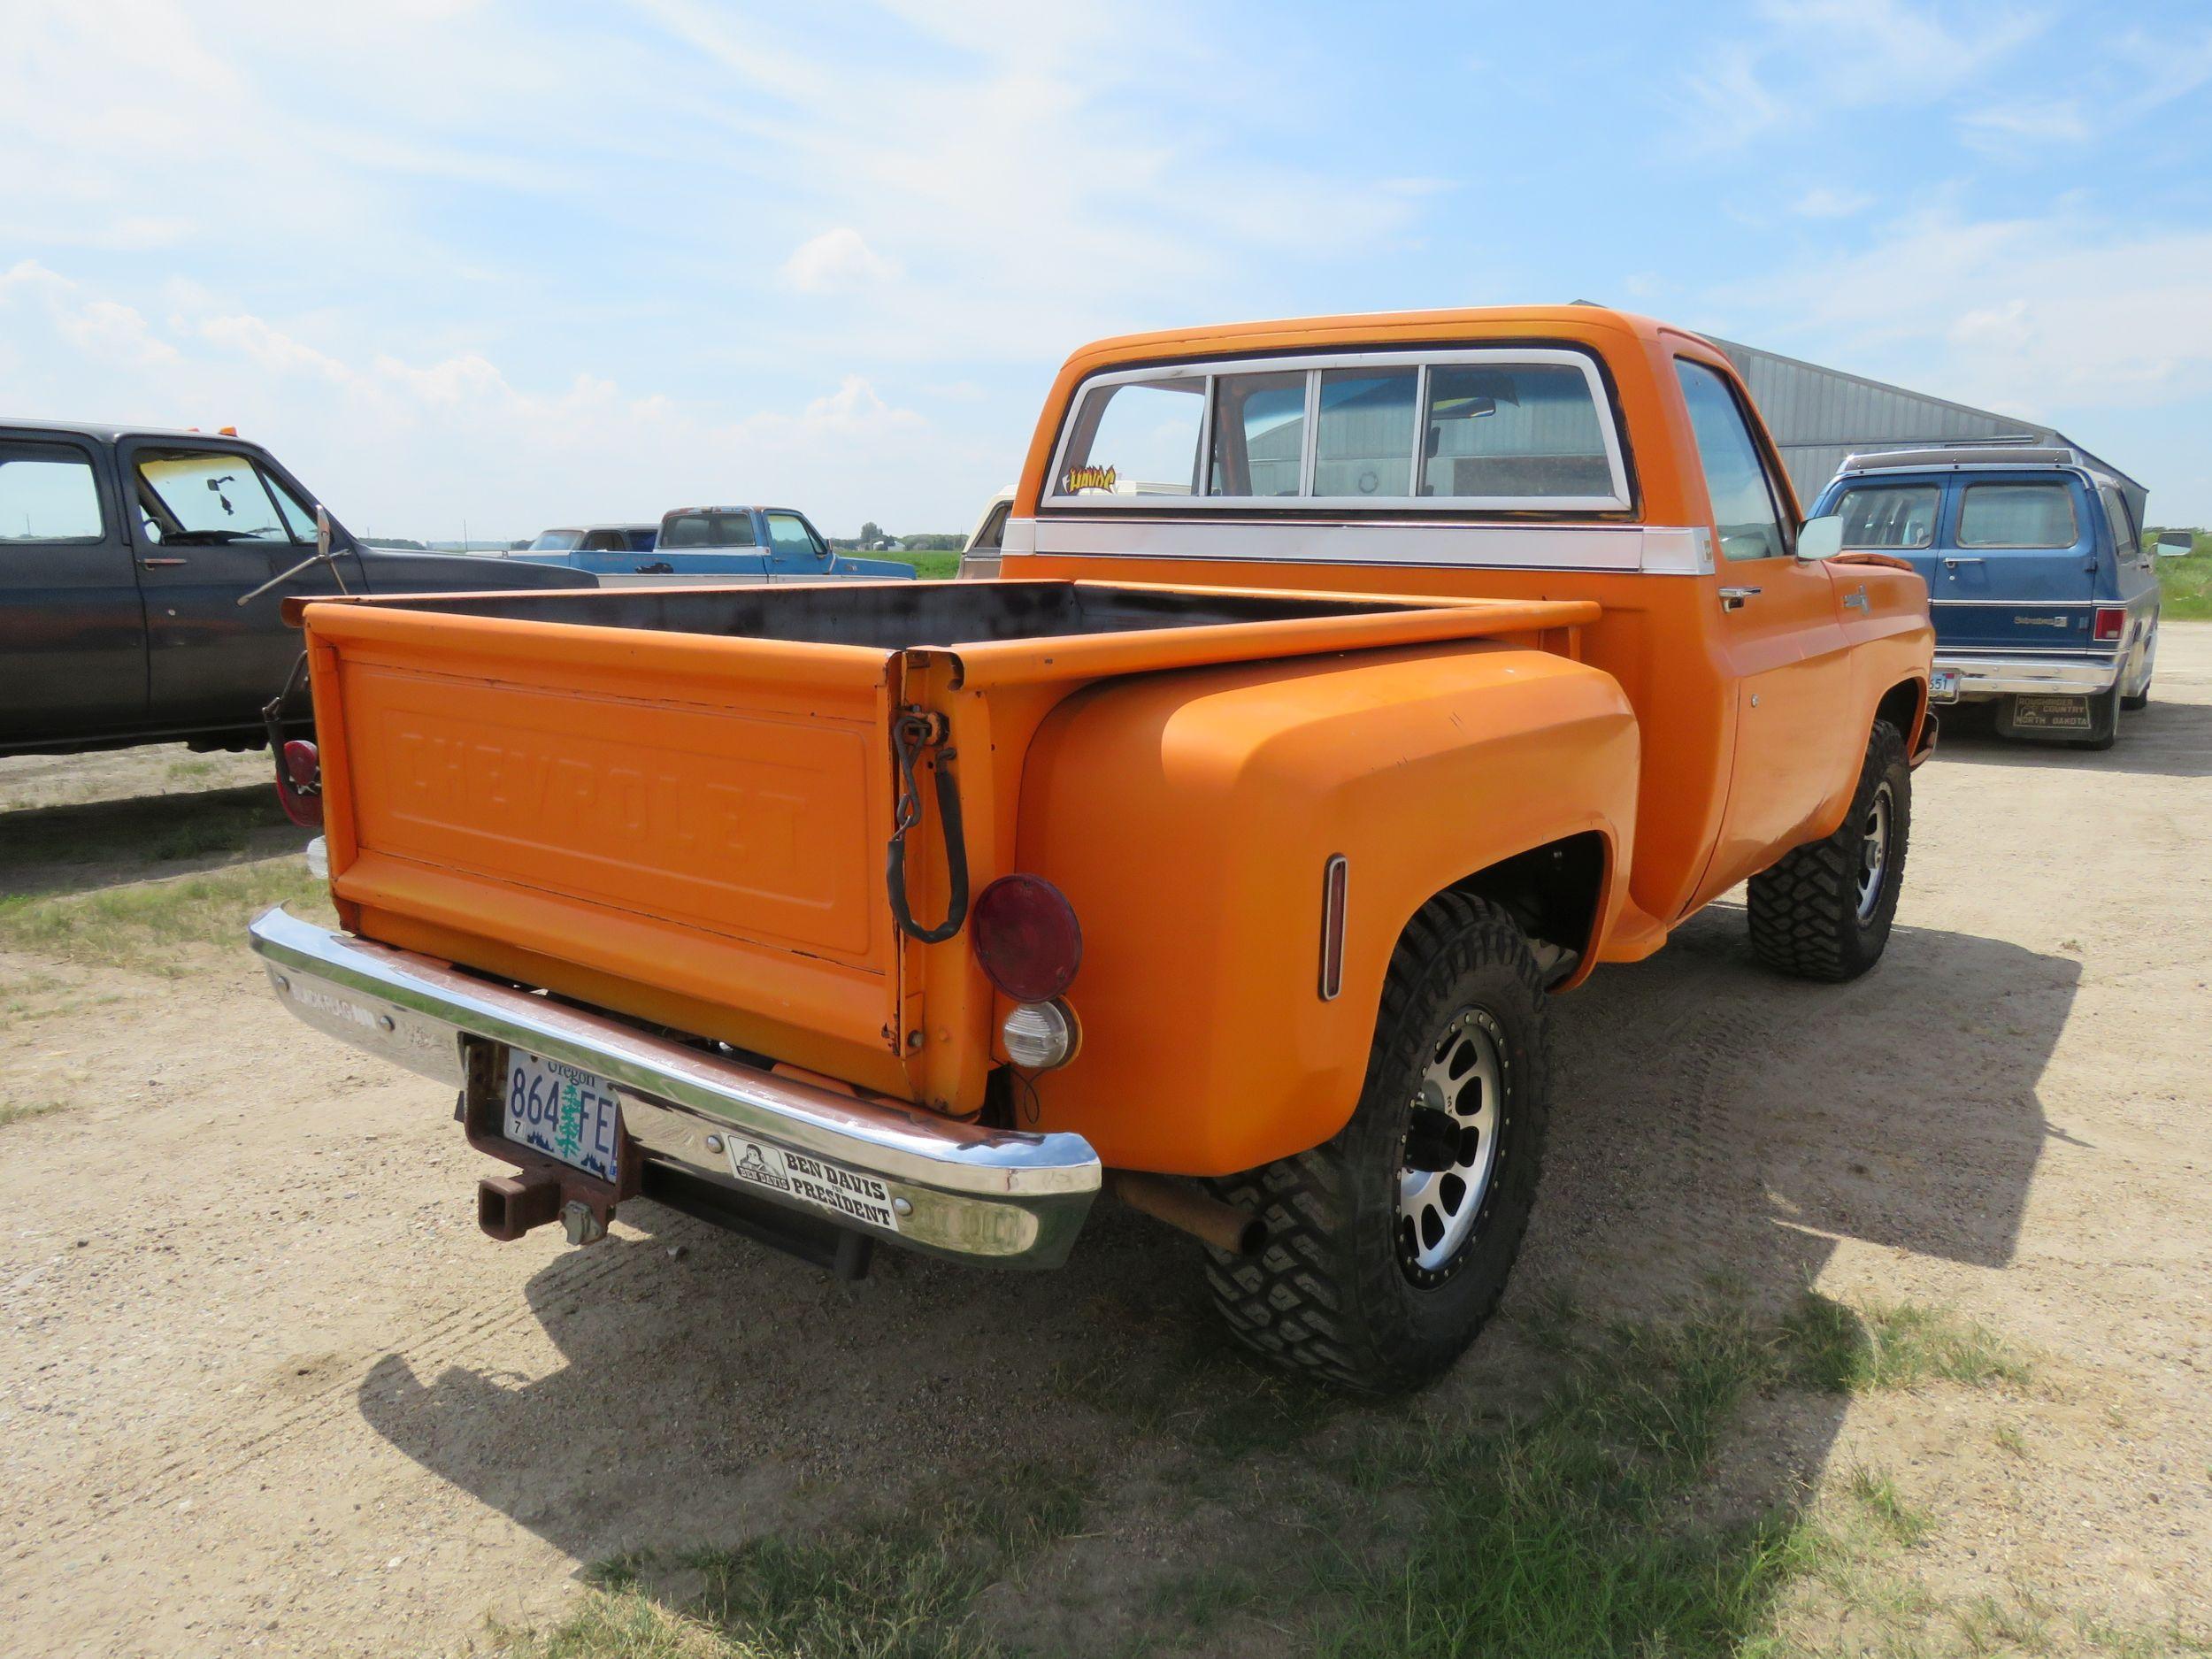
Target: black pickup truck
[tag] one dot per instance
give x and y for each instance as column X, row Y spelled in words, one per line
column 123, row 554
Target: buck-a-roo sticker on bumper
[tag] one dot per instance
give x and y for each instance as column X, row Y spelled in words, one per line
column 846, row 1193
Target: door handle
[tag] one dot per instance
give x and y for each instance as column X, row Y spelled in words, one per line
column 1953, row 564
column 162, row 564
column 1733, row 598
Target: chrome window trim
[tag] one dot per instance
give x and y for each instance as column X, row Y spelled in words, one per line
column 1311, row 364
column 1375, row 542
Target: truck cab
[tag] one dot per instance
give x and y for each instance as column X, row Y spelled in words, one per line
column 143, row 578
column 2044, row 597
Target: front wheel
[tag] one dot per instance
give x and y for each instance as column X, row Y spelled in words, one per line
column 1389, row 1246
column 1823, row 913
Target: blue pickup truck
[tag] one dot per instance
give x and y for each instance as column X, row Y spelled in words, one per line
column 723, row 544
column 2043, row 594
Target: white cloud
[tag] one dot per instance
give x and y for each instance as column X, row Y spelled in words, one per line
column 2159, row 70
column 101, row 330
column 415, row 446
column 2004, row 129
column 837, row 262
column 2025, row 316
column 1826, row 201
column 1812, row 57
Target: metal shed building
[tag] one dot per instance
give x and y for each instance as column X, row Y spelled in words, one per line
column 1818, row 416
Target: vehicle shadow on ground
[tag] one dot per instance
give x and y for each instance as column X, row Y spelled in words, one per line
column 2166, row 740
column 85, row 846
column 1717, row 1131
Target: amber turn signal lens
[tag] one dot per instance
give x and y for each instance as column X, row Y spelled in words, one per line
column 1026, row 938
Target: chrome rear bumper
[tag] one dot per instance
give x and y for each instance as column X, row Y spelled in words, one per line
column 1996, row 676
column 995, row 1197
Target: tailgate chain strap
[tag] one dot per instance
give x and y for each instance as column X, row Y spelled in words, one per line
column 289, row 788
column 914, row 730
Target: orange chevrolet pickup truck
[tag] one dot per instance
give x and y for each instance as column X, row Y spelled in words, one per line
column 1351, row 687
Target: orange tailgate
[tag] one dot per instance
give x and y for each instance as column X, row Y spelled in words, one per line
column 687, row 828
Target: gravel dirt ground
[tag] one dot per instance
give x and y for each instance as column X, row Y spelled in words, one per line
column 265, row 1388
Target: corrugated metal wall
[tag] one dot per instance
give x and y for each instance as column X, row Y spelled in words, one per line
column 1820, row 416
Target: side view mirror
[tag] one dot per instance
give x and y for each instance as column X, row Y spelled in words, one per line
column 2175, row 544
column 322, row 531
column 1820, row 537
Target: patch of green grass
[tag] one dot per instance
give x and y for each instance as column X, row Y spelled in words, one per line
column 1877, row 1494
column 160, row 827
column 1894, row 1346
column 898, row 1584
column 929, row 567
column 2185, row 584
column 21, row 1111
column 154, row 925
column 1605, row 1521
column 1204, row 1596
column 1573, row 1532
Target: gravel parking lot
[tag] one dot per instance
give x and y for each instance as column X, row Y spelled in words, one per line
column 264, row 1387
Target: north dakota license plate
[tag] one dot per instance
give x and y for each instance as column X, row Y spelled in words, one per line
column 2051, row 714
column 564, row 1111
column 1943, row 685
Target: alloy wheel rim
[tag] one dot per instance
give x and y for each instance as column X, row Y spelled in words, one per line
column 1874, row 852
column 1465, row 1077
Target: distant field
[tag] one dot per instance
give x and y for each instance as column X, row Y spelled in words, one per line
column 2187, row 583
column 928, row 566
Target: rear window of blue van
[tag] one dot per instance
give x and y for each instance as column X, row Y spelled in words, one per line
column 2018, row 515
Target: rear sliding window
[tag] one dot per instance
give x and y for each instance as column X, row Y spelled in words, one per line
column 708, row 530
column 2018, row 515
column 1504, row 429
column 1889, row 515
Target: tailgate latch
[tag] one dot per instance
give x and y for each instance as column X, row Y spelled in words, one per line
column 913, row 731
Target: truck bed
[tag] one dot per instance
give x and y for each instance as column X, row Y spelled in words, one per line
column 900, row 619
column 675, row 804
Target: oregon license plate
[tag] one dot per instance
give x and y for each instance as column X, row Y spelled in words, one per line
column 1943, row 685
column 564, row 1111
column 2051, row 714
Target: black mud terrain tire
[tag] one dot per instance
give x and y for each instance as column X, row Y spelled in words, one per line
column 1349, row 1289
column 1823, row 913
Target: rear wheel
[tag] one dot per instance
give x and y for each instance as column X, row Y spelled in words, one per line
column 2142, row 697
column 2104, row 720
column 1823, row 913
column 1389, row 1245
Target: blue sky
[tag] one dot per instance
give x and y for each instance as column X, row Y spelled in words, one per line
column 523, row 264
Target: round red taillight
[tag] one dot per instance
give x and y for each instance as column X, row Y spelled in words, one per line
column 299, row 783
column 1026, row 937
column 303, row 764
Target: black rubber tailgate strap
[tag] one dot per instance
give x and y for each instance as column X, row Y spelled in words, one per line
column 911, row 733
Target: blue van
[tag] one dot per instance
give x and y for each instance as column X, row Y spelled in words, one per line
column 2043, row 594
column 728, row 545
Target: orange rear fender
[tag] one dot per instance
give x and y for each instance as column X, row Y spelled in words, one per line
column 1190, row 818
